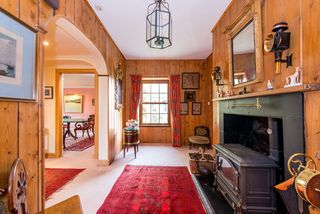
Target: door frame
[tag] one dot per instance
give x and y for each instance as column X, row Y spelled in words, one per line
column 59, row 102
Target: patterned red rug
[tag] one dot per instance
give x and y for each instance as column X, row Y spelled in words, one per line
column 153, row 189
column 55, row 178
column 81, row 145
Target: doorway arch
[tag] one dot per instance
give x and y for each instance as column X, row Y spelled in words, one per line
column 93, row 58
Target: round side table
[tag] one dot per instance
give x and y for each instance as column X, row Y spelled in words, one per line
column 130, row 138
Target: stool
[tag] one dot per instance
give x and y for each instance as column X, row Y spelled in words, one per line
column 200, row 141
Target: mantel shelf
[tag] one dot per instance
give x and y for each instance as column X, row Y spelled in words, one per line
column 300, row 88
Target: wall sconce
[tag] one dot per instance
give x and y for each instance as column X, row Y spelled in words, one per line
column 277, row 43
column 217, row 75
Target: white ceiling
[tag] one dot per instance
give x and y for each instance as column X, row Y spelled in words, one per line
column 78, row 81
column 192, row 21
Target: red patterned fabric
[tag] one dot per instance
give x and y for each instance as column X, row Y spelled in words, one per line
column 153, row 189
column 55, row 178
column 81, row 145
column 174, row 105
column 135, row 96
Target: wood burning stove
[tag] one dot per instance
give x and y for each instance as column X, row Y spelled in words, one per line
column 246, row 178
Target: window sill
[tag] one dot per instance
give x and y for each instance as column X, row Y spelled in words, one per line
column 154, row 126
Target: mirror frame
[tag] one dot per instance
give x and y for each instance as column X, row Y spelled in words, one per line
column 251, row 12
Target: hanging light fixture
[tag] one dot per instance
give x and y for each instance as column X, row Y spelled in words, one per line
column 159, row 25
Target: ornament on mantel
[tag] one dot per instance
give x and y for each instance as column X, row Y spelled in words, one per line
column 269, row 85
column 294, row 79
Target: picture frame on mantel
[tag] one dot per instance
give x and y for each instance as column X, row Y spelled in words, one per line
column 190, row 80
column 17, row 59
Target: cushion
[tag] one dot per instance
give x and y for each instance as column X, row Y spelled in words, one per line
column 199, row 140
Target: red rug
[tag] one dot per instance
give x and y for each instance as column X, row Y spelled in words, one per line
column 55, row 178
column 81, row 145
column 153, row 189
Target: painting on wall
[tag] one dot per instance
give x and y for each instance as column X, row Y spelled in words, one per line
column 189, row 96
column 184, row 108
column 73, row 103
column 17, row 59
column 190, row 80
column 196, row 108
column 48, row 92
column 118, row 87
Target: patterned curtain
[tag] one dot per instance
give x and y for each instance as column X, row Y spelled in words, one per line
column 135, row 96
column 174, row 105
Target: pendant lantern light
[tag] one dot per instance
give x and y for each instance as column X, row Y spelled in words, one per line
column 159, row 25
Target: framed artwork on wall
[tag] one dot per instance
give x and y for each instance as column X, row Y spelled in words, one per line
column 17, row 59
column 118, row 87
column 73, row 103
column 189, row 96
column 196, row 108
column 48, row 92
column 184, row 108
column 190, row 80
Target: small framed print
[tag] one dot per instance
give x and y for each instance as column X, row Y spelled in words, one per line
column 189, row 96
column 190, row 80
column 93, row 102
column 184, row 108
column 48, row 92
column 196, row 108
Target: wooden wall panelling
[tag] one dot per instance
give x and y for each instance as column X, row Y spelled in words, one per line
column 8, row 139
column 11, row 6
column 312, row 124
column 310, row 40
column 29, row 12
column 45, row 13
column 70, row 10
column 160, row 68
column 78, row 14
column 62, row 8
column 29, row 150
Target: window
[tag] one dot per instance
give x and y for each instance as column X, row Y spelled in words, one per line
column 154, row 109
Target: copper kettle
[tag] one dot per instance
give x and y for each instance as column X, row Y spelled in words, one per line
column 307, row 178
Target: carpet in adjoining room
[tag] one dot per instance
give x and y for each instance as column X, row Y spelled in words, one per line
column 153, row 189
column 81, row 145
column 55, row 178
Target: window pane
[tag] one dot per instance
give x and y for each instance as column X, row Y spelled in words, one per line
column 163, row 98
column 146, row 88
column 146, row 118
column 154, row 88
column 164, row 118
column 163, row 88
column 146, row 108
column 164, row 108
column 155, row 108
column 146, row 98
column 155, row 118
column 154, row 97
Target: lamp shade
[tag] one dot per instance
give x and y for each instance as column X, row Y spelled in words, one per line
column 159, row 25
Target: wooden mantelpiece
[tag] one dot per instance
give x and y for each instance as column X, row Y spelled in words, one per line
column 301, row 88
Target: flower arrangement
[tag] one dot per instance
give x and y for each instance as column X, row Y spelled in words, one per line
column 132, row 124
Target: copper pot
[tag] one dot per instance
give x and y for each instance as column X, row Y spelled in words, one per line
column 307, row 180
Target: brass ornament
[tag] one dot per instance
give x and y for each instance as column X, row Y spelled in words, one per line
column 307, row 178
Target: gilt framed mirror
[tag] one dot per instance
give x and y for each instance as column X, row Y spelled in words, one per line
column 245, row 47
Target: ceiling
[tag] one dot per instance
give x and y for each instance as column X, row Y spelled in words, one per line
column 192, row 21
column 78, row 81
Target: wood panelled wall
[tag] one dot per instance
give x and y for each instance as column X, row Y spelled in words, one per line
column 303, row 18
column 164, row 68
column 22, row 122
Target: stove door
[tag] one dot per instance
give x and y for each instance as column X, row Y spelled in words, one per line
column 229, row 172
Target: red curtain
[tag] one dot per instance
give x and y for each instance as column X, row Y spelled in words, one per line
column 174, row 105
column 135, row 96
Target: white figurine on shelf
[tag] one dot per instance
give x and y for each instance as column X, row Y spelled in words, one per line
column 269, row 85
column 294, row 79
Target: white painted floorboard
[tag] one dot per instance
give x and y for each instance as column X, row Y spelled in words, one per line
column 94, row 184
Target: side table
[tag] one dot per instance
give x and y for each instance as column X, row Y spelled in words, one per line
column 130, row 138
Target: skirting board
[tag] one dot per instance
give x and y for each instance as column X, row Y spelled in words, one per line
column 50, row 155
column 103, row 163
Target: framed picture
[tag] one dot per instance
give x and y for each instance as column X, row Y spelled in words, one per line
column 73, row 103
column 190, row 80
column 93, row 102
column 17, row 59
column 118, row 87
column 196, row 108
column 189, row 96
column 184, row 108
column 48, row 92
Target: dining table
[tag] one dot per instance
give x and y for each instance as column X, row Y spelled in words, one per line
column 68, row 131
